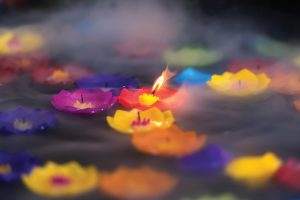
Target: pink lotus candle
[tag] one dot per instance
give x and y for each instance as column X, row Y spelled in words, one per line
column 83, row 101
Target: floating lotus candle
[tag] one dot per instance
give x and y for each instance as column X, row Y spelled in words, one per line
column 7, row 76
column 254, row 65
column 288, row 175
column 286, row 82
column 14, row 165
column 61, row 75
column 23, row 42
column 261, row 171
column 60, row 180
column 83, row 101
column 196, row 57
column 24, row 62
column 142, row 121
column 190, row 76
column 168, row 142
column 211, row 158
column 242, row 83
column 25, row 121
column 271, row 48
column 144, row 98
column 139, row 183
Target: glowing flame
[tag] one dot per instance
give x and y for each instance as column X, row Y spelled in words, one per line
column 161, row 80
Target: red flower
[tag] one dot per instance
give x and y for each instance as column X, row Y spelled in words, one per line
column 23, row 62
column 129, row 98
column 288, row 175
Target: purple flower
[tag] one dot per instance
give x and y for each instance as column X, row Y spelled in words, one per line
column 25, row 121
column 83, row 101
column 211, row 158
column 14, row 165
column 112, row 81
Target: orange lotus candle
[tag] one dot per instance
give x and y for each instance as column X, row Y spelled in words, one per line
column 157, row 96
column 168, row 142
column 242, row 83
column 286, row 82
column 129, row 121
column 137, row 183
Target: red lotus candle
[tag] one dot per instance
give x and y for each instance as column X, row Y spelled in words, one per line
column 24, row 62
column 159, row 95
column 60, row 75
column 7, row 76
column 288, row 175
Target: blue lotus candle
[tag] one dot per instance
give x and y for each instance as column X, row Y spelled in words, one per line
column 191, row 76
column 115, row 82
column 209, row 159
column 25, row 121
column 14, row 165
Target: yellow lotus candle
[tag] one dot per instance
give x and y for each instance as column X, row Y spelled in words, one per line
column 129, row 121
column 59, row 180
column 242, row 83
column 19, row 42
column 254, row 171
column 137, row 183
column 171, row 142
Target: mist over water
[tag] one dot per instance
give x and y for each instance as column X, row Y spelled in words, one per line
column 93, row 34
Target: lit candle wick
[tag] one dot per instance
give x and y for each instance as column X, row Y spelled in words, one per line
column 154, row 90
column 240, row 82
column 81, row 98
column 139, row 116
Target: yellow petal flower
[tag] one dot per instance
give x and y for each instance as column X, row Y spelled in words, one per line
column 130, row 121
column 26, row 42
column 242, row 83
column 254, row 171
column 58, row 180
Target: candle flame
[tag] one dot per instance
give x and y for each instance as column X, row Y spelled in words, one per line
column 161, row 80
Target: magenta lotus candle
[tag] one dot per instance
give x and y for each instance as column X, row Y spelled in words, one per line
column 83, row 101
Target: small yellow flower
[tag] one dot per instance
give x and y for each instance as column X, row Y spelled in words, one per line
column 128, row 122
column 148, row 99
column 58, row 180
column 242, row 83
column 254, row 171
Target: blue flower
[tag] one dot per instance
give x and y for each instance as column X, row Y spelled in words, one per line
column 191, row 76
column 209, row 159
column 24, row 121
column 111, row 81
column 14, row 165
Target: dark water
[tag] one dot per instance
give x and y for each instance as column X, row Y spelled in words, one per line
column 244, row 127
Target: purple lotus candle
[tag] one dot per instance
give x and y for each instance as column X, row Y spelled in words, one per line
column 26, row 121
column 14, row 165
column 115, row 82
column 82, row 101
column 211, row 158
